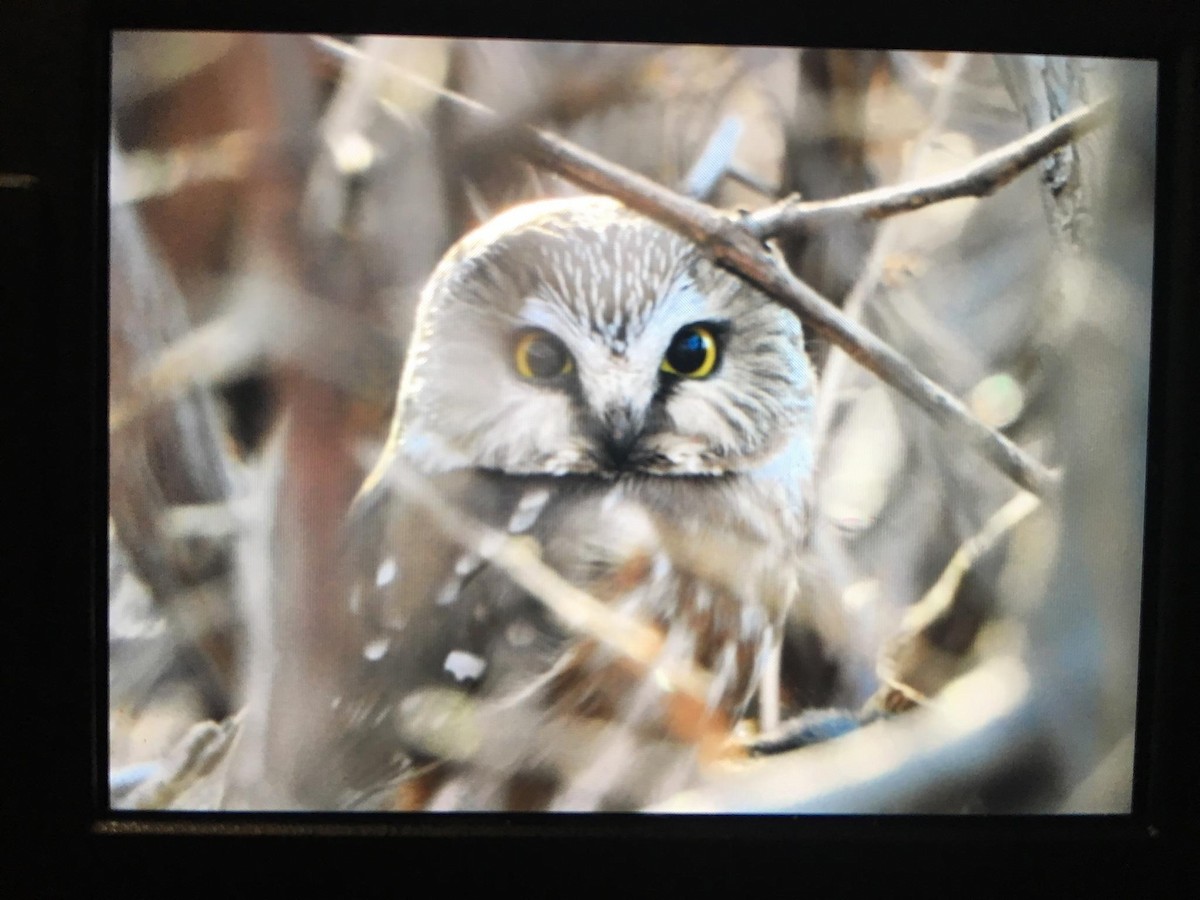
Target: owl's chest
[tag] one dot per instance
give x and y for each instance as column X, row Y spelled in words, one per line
column 700, row 562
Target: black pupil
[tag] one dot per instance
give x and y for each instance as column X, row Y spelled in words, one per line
column 687, row 351
column 545, row 357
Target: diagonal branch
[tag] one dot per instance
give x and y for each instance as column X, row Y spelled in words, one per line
column 982, row 177
column 732, row 244
column 520, row 559
column 929, row 760
column 912, row 652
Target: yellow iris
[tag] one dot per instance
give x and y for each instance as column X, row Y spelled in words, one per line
column 692, row 353
column 539, row 354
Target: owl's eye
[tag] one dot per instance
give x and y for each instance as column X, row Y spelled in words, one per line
column 692, row 352
column 540, row 355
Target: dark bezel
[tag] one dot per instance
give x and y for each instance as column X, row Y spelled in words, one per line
column 64, row 838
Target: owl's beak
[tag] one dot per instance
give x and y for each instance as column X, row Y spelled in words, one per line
column 617, row 433
column 620, row 441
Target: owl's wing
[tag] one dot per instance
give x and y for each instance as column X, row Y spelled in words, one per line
column 468, row 693
column 420, row 609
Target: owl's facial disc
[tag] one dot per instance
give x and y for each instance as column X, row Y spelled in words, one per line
column 642, row 401
column 575, row 336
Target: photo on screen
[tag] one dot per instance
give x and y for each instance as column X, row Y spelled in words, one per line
column 530, row 426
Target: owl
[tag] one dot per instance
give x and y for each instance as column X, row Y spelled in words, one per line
column 581, row 377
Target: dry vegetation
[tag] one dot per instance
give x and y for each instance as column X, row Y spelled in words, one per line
column 970, row 250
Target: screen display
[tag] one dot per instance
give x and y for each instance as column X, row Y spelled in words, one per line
column 506, row 426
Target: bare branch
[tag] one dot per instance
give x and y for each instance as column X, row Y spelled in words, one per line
column 1042, row 87
column 568, row 100
column 984, row 176
column 147, row 174
column 872, row 271
column 259, row 334
column 519, row 558
column 980, row 725
column 214, row 353
column 201, row 750
column 911, row 653
column 733, row 245
column 939, row 597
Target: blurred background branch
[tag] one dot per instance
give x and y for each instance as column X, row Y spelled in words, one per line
column 278, row 202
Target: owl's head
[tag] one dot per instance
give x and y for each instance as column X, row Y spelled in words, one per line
column 576, row 336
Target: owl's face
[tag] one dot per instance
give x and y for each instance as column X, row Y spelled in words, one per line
column 575, row 336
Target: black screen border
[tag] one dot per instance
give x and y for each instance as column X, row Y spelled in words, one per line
column 56, row 790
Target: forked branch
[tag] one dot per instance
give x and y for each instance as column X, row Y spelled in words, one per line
column 733, row 245
column 738, row 245
column 980, row 178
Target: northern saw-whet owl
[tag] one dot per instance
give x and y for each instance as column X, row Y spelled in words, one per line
column 583, row 376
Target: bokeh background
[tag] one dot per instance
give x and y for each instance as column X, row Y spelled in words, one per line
column 277, row 201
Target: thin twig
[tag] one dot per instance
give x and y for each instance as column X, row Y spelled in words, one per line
column 519, row 558
column 217, row 352
column 910, row 650
column 937, row 599
column 256, row 335
column 568, row 100
column 147, row 174
column 196, row 754
column 733, row 245
column 867, row 281
column 980, row 726
column 984, row 176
